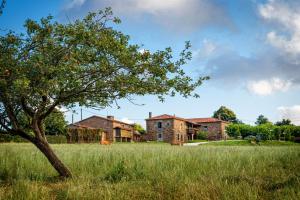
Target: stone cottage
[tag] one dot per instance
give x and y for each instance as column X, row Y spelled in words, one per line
column 114, row 130
column 176, row 130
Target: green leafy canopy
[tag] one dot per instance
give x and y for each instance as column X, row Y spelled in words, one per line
column 86, row 62
column 225, row 114
column 262, row 120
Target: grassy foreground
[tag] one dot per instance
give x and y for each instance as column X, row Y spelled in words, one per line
column 152, row 171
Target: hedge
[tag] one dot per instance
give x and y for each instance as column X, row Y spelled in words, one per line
column 265, row 131
column 52, row 139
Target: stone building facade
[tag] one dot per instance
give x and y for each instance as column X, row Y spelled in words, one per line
column 176, row 130
column 114, row 130
column 215, row 128
column 166, row 129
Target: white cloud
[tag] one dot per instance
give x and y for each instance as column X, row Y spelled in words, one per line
column 280, row 58
column 179, row 15
column 268, row 87
column 126, row 120
column 292, row 113
column 74, row 3
column 287, row 16
column 207, row 49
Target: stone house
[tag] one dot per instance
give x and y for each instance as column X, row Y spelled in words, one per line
column 214, row 127
column 176, row 130
column 114, row 130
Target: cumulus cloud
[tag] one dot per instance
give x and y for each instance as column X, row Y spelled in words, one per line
column 74, row 4
column 267, row 87
column 274, row 69
column 286, row 14
column 262, row 74
column 292, row 113
column 181, row 15
column 126, row 120
column 208, row 49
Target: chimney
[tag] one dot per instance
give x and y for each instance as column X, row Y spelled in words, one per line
column 110, row 117
column 150, row 115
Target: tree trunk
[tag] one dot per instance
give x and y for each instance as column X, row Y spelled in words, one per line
column 45, row 148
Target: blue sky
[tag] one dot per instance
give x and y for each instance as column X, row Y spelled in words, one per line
column 249, row 48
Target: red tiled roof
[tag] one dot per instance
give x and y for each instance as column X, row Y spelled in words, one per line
column 81, row 126
column 204, row 120
column 191, row 120
column 165, row 116
column 94, row 116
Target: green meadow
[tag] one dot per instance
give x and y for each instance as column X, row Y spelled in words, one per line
column 153, row 171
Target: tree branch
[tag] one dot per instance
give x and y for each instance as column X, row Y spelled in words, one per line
column 26, row 108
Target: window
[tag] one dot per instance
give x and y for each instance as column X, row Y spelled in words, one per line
column 159, row 125
column 118, row 132
column 159, row 136
column 205, row 128
column 178, row 137
column 181, row 137
column 168, row 124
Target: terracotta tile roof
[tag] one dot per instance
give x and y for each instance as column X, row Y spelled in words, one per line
column 123, row 128
column 81, row 126
column 191, row 120
column 165, row 116
column 204, row 120
column 94, row 116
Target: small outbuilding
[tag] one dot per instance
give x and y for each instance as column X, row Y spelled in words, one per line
column 114, row 130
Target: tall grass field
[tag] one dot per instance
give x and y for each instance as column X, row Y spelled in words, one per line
column 152, row 171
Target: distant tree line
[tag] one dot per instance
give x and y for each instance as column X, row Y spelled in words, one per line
column 55, row 124
column 262, row 130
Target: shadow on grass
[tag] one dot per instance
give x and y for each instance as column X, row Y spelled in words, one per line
column 292, row 182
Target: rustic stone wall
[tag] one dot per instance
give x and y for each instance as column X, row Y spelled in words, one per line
column 180, row 131
column 216, row 130
column 99, row 123
column 106, row 125
column 223, row 129
column 166, row 130
column 176, row 130
column 173, row 130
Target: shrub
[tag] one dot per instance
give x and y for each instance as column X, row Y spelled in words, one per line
column 202, row 135
column 84, row 135
column 233, row 130
column 52, row 139
column 11, row 138
column 56, row 139
column 118, row 173
column 264, row 131
column 251, row 139
column 237, row 130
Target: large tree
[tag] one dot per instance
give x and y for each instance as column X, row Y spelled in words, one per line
column 54, row 123
column 139, row 128
column 262, row 120
column 87, row 63
column 225, row 114
column 284, row 122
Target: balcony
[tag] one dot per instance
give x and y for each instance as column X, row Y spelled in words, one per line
column 192, row 130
